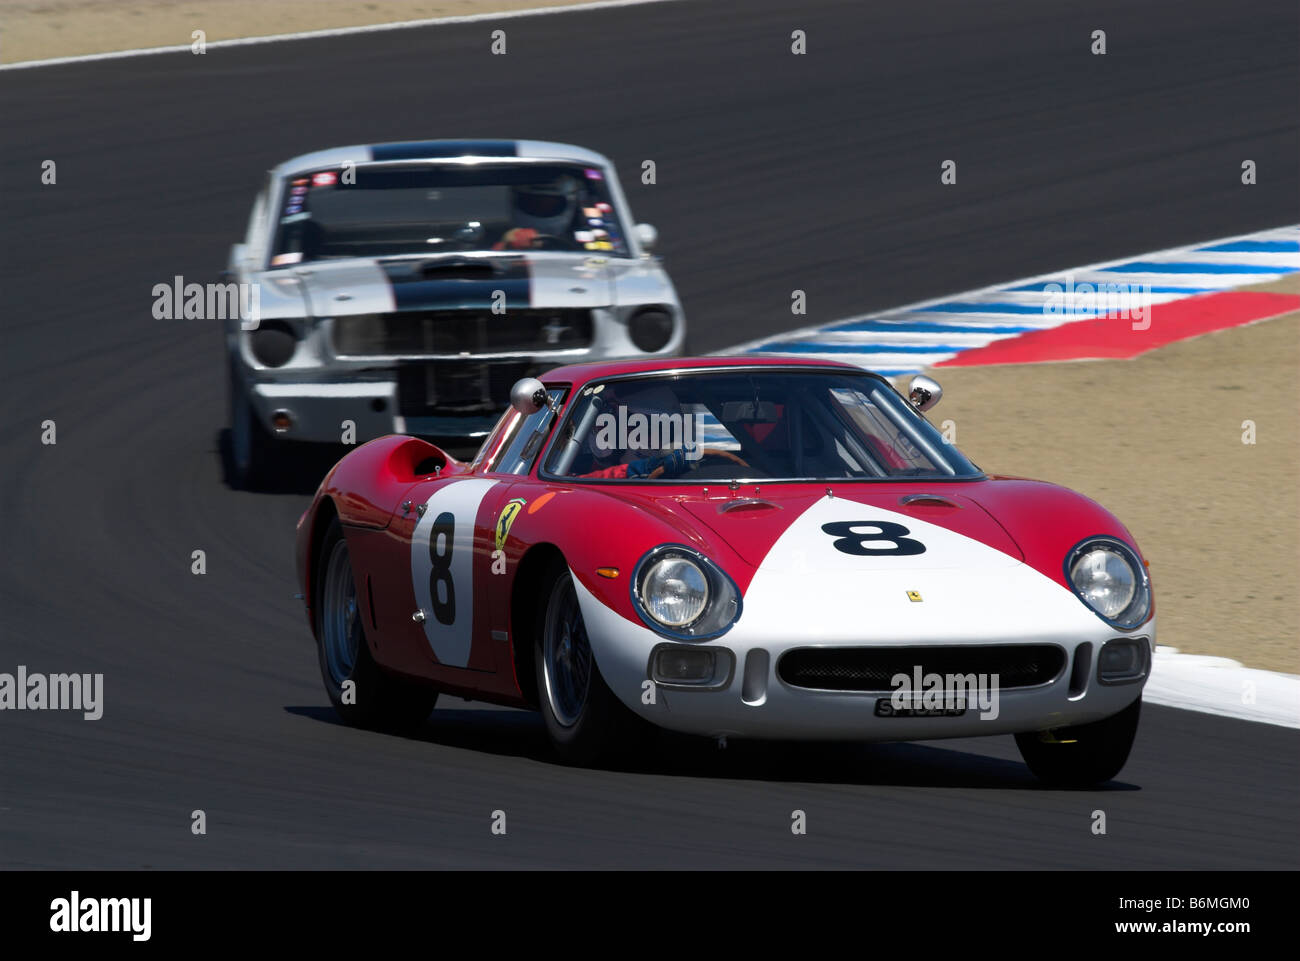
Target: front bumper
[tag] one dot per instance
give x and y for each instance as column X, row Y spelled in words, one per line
column 318, row 391
column 752, row 700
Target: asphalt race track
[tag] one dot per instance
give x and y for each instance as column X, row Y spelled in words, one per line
column 775, row 172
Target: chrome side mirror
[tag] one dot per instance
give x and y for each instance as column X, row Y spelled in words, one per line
column 923, row 392
column 647, row 236
column 528, row 396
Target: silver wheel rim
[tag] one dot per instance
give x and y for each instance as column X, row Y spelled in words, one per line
column 566, row 655
column 340, row 625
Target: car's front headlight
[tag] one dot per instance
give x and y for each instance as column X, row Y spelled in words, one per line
column 681, row 593
column 1110, row 578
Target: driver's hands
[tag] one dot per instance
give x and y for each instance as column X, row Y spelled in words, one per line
column 517, row 238
column 672, row 464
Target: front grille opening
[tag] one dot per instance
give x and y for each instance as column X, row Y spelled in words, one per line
column 427, row 333
column 873, row 668
column 457, row 387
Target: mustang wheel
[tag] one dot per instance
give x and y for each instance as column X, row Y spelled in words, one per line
column 1082, row 755
column 375, row 698
column 584, row 719
column 252, row 450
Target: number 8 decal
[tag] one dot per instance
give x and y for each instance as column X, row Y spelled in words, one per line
column 854, row 541
column 440, row 582
column 442, row 567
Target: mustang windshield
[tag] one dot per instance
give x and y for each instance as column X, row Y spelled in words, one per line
column 769, row 424
column 390, row 211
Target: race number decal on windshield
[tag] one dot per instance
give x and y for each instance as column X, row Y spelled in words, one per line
column 442, row 568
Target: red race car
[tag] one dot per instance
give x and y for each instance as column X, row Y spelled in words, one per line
column 768, row 548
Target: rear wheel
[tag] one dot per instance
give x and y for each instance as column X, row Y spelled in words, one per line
column 1082, row 755
column 586, row 722
column 362, row 692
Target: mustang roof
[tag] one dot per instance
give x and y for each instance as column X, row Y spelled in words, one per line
column 439, row 150
column 581, row 373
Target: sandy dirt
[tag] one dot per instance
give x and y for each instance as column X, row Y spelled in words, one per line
column 1159, row 441
column 63, row 28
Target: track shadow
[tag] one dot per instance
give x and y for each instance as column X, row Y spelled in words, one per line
column 299, row 470
column 521, row 734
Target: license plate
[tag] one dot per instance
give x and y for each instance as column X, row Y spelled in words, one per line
column 885, row 708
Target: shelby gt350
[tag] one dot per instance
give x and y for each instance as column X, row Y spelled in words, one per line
column 404, row 287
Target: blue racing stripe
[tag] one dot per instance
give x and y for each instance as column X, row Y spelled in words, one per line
column 956, row 308
column 811, row 347
column 928, row 327
column 413, row 291
column 1148, row 267
column 1042, row 287
column 1256, row 247
column 421, row 149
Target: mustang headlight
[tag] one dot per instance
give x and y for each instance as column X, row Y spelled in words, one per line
column 1108, row 577
column 681, row 593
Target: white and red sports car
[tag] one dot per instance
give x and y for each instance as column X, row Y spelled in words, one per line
column 729, row 547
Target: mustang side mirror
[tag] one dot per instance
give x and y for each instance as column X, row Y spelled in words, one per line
column 528, row 396
column 647, row 236
column 923, row 392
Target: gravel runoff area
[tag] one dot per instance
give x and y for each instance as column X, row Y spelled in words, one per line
column 64, row 28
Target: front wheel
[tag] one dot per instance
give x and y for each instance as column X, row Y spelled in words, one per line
column 586, row 722
column 1085, row 754
column 252, row 450
column 363, row 693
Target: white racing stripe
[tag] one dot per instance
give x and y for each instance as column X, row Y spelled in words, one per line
column 442, row 559
column 814, row 583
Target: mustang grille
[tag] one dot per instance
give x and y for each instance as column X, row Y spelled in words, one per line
column 424, row 333
column 871, row 668
column 449, row 387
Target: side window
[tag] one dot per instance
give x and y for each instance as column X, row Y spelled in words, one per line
column 518, row 455
column 255, row 238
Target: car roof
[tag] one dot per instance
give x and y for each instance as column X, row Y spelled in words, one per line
column 599, row 370
column 454, row 150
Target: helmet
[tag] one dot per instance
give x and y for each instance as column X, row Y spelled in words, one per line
column 546, row 207
column 638, row 408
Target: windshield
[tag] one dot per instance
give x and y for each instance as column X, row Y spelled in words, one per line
column 390, row 211
column 750, row 425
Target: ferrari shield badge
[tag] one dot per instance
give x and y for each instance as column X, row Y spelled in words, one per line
column 508, row 515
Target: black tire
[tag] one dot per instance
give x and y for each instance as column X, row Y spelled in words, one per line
column 253, row 452
column 586, row 722
column 377, row 699
column 1083, row 755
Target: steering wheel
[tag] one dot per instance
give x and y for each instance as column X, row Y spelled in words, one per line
column 706, row 452
column 725, row 455
column 551, row 242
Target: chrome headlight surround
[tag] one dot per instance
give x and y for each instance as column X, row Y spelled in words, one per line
column 721, row 607
column 1133, row 615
